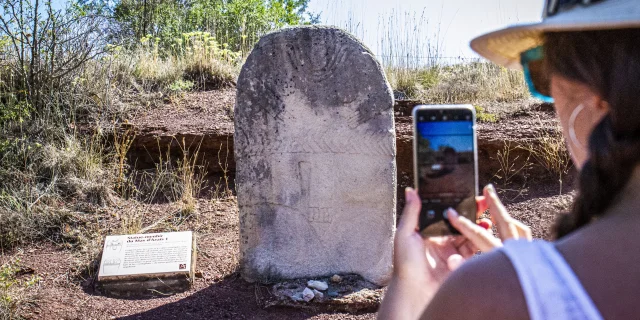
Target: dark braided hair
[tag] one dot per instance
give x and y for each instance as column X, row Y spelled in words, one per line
column 608, row 61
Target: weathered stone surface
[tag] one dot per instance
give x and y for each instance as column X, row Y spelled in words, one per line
column 315, row 154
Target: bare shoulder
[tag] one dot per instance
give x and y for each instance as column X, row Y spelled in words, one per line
column 486, row 287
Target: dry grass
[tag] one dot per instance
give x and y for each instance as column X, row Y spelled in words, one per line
column 477, row 82
column 464, row 82
column 416, row 69
column 222, row 189
column 155, row 72
column 550, row 151
column 122, row 141
column 510, row 166
column 198, row 62
column 179, row 178
column 191, row 177
column 412, row 83
column 38, row 180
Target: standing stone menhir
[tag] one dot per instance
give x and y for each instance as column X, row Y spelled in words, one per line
column 315, row 151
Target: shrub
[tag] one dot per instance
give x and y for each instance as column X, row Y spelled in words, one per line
column 459, row 83
column 36, row 180
column 208, row 64
column 45, row 49
column 483, row 116
column 413, row 82
column 194, row 58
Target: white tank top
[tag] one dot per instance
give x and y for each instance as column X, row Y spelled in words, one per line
column 550, row 287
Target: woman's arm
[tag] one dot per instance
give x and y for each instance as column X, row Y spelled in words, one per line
column 404, row 299
column 411, row 286
column 421, row 266
column 485, row 287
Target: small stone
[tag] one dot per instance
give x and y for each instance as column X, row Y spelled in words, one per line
column 318, row 285
column 336, row 278
column 297, row 297
column 333, row 294
column 308, row 294
column 318, row 294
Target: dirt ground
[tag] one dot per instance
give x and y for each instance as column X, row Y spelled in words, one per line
column 218, row 291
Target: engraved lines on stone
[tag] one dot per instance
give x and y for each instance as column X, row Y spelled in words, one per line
column 324, row 140
column 336, row 59
column 313, row 214
column 321, row 215
column 299, row 57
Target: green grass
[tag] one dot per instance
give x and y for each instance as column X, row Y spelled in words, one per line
column 483, row 116
column 13, row 290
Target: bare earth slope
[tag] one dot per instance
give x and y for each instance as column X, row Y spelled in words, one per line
column 205, row 119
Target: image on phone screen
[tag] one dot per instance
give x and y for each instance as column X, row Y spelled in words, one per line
column 446, row 169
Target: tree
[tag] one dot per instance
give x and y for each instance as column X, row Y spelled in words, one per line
column 43, row 47
column 238, row 23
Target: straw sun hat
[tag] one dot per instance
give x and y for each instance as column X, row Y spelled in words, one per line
column 505, row 46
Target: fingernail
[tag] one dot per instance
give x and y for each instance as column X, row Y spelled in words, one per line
column 407, row 193
column 452, row 213
column 491, row 188
column 484, row 224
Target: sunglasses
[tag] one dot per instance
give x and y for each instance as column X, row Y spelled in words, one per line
column 535, row 73
column 554, row 6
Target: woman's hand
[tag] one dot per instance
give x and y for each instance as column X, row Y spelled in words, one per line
column 508, row 227
column 422, row 265
column 431, row 259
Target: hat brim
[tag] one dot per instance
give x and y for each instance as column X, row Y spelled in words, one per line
column 504, row 46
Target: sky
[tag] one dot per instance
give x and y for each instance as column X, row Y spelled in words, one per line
column 459, row 134
column 449, row 23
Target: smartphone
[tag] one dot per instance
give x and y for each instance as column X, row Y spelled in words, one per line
column 445, row 165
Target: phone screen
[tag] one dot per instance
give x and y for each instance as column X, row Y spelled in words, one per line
column 445, row 167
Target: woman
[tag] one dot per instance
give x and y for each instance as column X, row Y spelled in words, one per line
column 584, row 56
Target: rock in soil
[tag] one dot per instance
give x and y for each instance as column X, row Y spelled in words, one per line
column 318, row 285
column 308, row 294
column 353, row 294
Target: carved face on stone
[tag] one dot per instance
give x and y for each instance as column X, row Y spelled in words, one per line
column 319, row 52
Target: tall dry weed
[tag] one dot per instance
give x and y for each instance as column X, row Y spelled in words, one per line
column 550, row 151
